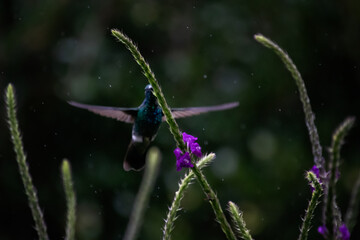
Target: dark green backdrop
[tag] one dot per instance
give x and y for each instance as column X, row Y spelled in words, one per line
column 202, row 53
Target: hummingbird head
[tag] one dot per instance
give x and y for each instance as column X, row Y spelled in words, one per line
column 148, row 88
column 149, row 93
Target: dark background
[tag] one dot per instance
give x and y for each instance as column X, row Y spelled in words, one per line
column 203, row 53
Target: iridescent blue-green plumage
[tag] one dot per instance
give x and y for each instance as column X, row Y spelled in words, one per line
column 146, row 120
column 149, row 116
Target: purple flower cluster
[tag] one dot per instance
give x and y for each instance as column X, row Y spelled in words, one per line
column 323, row 230
column 183, row 159
column 344, row 231
column 316, row 171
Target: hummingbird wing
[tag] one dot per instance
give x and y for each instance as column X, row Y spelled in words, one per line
column 187, row 112
column 127, row 115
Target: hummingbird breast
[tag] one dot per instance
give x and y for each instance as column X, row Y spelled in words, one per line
column 148, row 121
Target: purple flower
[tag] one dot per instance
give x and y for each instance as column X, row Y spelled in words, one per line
column 344, row 232
column 316, row 171
column 323, row 230
column 182, row 160
column 196, row 149
column 188, row 138
column 192, row 144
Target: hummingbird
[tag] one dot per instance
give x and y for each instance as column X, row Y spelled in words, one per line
column 146, row 120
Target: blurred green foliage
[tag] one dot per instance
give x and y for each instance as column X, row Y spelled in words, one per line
column 202, row 53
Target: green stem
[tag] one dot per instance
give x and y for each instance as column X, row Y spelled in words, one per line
column 183, row 185
column 70, row 200
column 309, row 115
column 333, row 168
column 312, row 205
column 353, row 210
column 239, row 222
column 147, row 184
column 214, row 202
column 174, row 129
column 23, row 167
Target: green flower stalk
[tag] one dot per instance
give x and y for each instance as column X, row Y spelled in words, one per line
column 239, row 222
column 309, row 115
column 23, row 167
column 353, row 210
column 142, row 199
column 333, row 169
column 183, row 185
column 309, row 213
column 174, row 129
column 70, row 200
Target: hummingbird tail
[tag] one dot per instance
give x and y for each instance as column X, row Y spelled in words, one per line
column 135, row 155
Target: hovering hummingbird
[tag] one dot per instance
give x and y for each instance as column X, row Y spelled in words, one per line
column 146, row 120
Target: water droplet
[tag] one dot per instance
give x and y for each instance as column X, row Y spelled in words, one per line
column 99, row 77
column 42, row 103
column 95, row 192
column 205, row 76
column 130, row 71
column 110, row 85
column 279, row 109
column 259, row 86
column 45, row 146
column 94, row 139
column 203, row 129
column 210, row 35
column 278, row 188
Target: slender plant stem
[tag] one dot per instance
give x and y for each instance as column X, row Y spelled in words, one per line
column 70, row 200
column 353, row 210
column 333, row 169
column 154, row 83
column 23, row 167
column 238, row 221
column 142, row 199
column 183, row 185
column 174, row 129
column 214, row 202
column 312, row 205
column 309, row 115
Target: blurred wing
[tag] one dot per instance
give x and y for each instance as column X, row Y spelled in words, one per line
column 187, row 112
column 121, row 114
